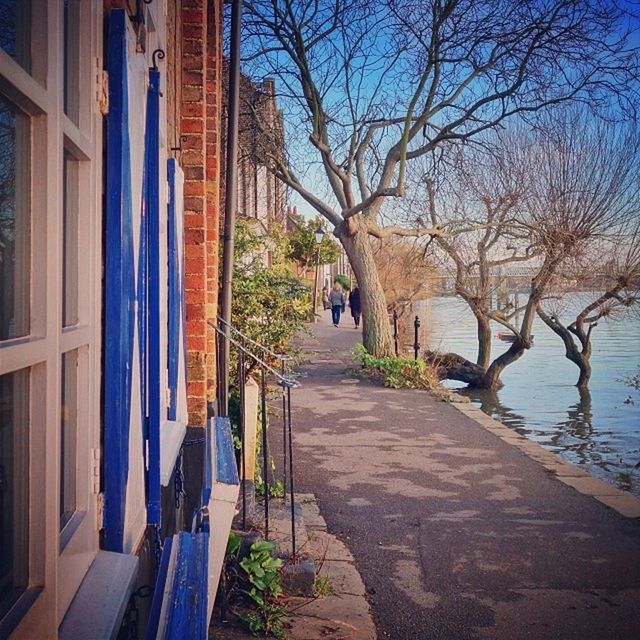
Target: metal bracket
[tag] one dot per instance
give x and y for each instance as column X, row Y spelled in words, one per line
column 158, row 54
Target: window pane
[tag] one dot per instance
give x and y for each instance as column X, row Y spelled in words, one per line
column 68, row 436
column 71, row 58
column 15, row 28
column 70, row 242
column 15, row 246
column 14, row 486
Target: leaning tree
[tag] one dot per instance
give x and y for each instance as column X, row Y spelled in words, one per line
column 543, row 198
column 369, row 86
column 609, row 274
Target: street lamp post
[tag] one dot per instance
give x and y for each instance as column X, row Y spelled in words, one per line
column 319, row 234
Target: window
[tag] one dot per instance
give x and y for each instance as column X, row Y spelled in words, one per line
column 14, row 489
column 15, row 31
column 71, row 59
column 50, row 325
column 15, row 221
column 68, row 436
column 70, row 210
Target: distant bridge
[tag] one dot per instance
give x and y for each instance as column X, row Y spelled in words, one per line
column 504, row 278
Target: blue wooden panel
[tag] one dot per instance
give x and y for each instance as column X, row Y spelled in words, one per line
column 198, row 620
column 186, row 617
column 178, row 612
column 226, row 467
column 143, row 310
column 158, row 592
column 119, row 290
column 175, row 293
column 152, row 205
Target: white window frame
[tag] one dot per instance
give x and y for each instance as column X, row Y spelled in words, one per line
column 58, row 573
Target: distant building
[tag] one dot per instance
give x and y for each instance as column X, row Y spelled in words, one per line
column 261, row 195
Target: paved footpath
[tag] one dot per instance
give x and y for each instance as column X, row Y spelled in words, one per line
column 459, row 527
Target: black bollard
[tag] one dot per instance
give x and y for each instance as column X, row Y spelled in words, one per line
column 416, row 343
column 395, row 331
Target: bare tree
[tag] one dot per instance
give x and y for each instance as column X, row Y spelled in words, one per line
column 575, row 182
column 369, row 86
column 404, row 267
column 615, row 276
column 480, row 206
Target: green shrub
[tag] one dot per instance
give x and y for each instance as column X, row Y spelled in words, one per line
column 269, row 304
column 399, row 373
column 344, row 281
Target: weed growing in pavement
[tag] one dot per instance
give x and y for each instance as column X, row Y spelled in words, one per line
column 322, row 586
column 257, row 577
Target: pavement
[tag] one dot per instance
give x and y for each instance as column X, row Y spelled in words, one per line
column 339, row 610
column 459, row 527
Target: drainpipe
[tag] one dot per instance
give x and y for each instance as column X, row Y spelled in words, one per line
column 231, row 196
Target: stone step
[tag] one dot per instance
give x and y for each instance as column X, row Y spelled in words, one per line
column 298, row 572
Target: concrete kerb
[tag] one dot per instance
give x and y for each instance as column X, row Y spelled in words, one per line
column 344, row 612
column 624, row 503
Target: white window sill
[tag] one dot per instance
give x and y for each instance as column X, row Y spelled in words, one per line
column 171, row 437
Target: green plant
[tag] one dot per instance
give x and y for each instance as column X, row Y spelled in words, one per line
column 276, row 487
column 344, row 281
column 269, row 303
column 322, row 586
column 303, row 248
column 398, row 372
column 262, row 571
column 233, row 544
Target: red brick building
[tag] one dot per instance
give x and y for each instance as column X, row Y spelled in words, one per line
column 197, row 110
column 111, row 132
column 261, row 195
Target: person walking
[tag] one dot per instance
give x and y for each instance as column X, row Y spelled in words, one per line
column 354, row 304
column 325, row 298
column 337, row 300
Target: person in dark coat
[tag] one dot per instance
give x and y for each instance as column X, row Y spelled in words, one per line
column 354, row 303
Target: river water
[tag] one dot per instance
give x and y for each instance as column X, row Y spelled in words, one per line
column 598, row 429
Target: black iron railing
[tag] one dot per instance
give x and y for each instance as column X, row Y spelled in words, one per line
column 249, row 364
column 396, row 334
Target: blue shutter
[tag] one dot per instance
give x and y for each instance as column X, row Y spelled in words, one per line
column 175, row 303
column 151, row 204
column 119, row 288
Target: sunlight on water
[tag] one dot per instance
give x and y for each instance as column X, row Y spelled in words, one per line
column 599, row 429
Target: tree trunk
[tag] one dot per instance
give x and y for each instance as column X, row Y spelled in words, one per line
column 451, row 366
column 523, row 341
column 571, row 350
column 376, row 330
column 585, row 372
column 484, row 341
column 491, row 378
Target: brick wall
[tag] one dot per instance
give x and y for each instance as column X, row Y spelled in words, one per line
column 174, row 78
column 200, row 133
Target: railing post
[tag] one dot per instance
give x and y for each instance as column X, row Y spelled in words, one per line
column 293, row 510
column 416, row 343
column 284, row 427
column 219, row 370
column 395, row 332
column 265, row 456
column 241, row 423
